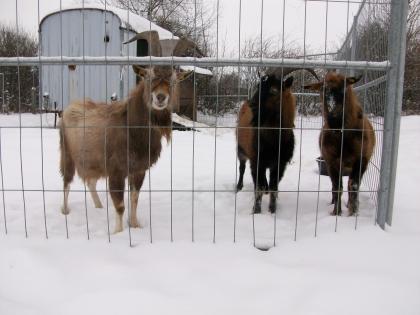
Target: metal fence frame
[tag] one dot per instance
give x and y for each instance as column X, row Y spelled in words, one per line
column 394, row 68
column 394, row 84
column 395, row 81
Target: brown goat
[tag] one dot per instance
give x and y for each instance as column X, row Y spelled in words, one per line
column 260, row 138
column 346, row 146
column 114, row 140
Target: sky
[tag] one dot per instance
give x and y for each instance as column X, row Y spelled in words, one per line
column 322, row 25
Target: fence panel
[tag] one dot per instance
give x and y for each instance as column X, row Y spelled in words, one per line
column 191, row 192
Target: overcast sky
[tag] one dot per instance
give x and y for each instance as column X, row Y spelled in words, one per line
column 340, row 17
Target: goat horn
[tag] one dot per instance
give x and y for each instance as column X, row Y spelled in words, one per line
column 282, row 72
column 152, row 38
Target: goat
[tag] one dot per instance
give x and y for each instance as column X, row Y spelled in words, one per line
column 114, row 140
column 265, row 134
column 345, row 145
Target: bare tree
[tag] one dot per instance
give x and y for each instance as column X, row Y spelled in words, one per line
column 372, row 44
column 17, row 43
column 184, row 18
column 231, row 85
column 411, row 97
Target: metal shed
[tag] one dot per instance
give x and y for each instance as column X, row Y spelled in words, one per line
column 93, row 31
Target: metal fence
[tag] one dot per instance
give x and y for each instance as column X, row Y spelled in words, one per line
column 374, row 46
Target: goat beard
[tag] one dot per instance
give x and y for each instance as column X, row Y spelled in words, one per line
column 163, row 119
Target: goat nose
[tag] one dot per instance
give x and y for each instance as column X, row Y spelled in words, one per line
column 161, row 97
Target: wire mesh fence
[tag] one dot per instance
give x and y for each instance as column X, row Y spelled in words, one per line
column 190, row 191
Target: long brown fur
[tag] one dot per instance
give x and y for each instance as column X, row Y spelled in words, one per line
column 116, row 140
column 260, row 139
column 358, row 138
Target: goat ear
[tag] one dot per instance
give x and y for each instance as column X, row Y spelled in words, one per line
column 181, row 76
column 288, row 82
column 314, row 86
column 262, row 74
column 140, row 71
column 353, row 80
column 264, row 78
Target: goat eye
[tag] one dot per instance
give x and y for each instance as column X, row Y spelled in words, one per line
column 274, row 90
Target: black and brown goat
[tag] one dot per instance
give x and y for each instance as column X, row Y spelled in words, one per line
column 95, row 140
column 346, row 145
column 265, row 134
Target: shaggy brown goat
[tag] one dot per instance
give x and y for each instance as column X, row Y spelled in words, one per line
column 260, row 138
column 94, row 138
column 345, row 146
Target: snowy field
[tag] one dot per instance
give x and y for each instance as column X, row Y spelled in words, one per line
column 362, row 271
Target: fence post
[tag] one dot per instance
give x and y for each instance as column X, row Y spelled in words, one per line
column 396, row 55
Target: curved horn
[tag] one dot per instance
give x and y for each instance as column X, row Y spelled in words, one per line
column 282, row 72
column 152, row 38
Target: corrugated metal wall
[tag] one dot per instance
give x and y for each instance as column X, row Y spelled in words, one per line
column 90, row 27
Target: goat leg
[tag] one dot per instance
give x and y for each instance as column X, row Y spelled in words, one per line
column 65, row 209
column 260, row 184
column 257, row 202
column 337, row 190
column 274, row 175
column 91, row 183
column 264, row 185
column 136, row 181
column 359, row 168
column 353, row 203
column 67, row 170
column 116, row 190
column 241, row 175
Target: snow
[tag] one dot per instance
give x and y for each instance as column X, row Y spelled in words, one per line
column 363, row 271
column 187, row 122
column 197, row 70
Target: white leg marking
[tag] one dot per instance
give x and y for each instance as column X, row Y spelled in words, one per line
column 65, row 208
column 134, row 197
column 118, row 223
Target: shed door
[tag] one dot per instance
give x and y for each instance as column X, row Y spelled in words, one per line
column 142, row 51
column 142, row 48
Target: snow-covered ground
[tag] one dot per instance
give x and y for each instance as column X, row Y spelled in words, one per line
column 363, row 271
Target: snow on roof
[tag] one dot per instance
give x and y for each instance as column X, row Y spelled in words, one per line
column 197, row 70
column 130, row 20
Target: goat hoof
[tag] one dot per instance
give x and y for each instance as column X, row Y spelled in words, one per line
column 239, row 187
column 353, row 208
column 256, row 209
column 353, row 212
column 99, row 206
column 118, row 230
column 65, row 210
column 272, row 209
column 334, row 212
column 134, row 224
